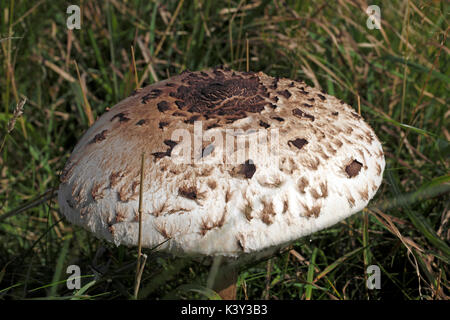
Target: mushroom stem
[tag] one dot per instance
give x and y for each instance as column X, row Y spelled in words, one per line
column 225, row 284
column 223, row 278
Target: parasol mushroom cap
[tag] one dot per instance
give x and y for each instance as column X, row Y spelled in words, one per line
column 236, row 162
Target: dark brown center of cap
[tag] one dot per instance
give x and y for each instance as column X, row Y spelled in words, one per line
column 221, row 94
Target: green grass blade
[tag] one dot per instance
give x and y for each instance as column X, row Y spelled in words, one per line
column 59, row 267
column 310, row 276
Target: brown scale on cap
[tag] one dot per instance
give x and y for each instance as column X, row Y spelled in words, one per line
column 128, row 192
column 163, row 106
column 378, row 167
column 348, row 131
column 192, row 119
column 67, row 171
column 300, row 114
column 364, row 193
column 303, row 91
column 279, row 119
column 205, row 171
column 228, row 195
column 285, row 93
column 121, row 116
column 247, row 210
column 159, row 211
column 353, row 168
column 302, row 184
column 314, row 211
column 70, row 203
column 240, row 242
column 247, row 169
column 369, row 137
column 159, row 155
column 374, row 187
column 268, row 213
column 285, row 205
column 275, row 183
column 188, row 192
column 162, row 229
column 208, row 225
column 323, row 191
column 99, row 137
column 322, row 97
column 212, row 125
column 97, row 191
column 274, row 84
column 298, row 143
column 357, row 116
column 121, row 214
column 212, row 184
column 111, row 229
column 84, row 211
column 321, row 153
column 380, row 154
column 311, row 163
column 264, row 124
column 351, row 200
column 179, row 114
column 75, row 189
column 171, row 144
column 178, row 210
column 361, row 153
column 163, row 124
column 362, row 137
column 134, row 92
column 79, row 193
column 150, row 96
column 180, row 104
column 330, row 148
column 115, row 178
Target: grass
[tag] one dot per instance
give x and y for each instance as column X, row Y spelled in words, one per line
column 401, row 74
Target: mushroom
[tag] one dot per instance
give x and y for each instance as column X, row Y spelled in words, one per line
column 239, row 165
